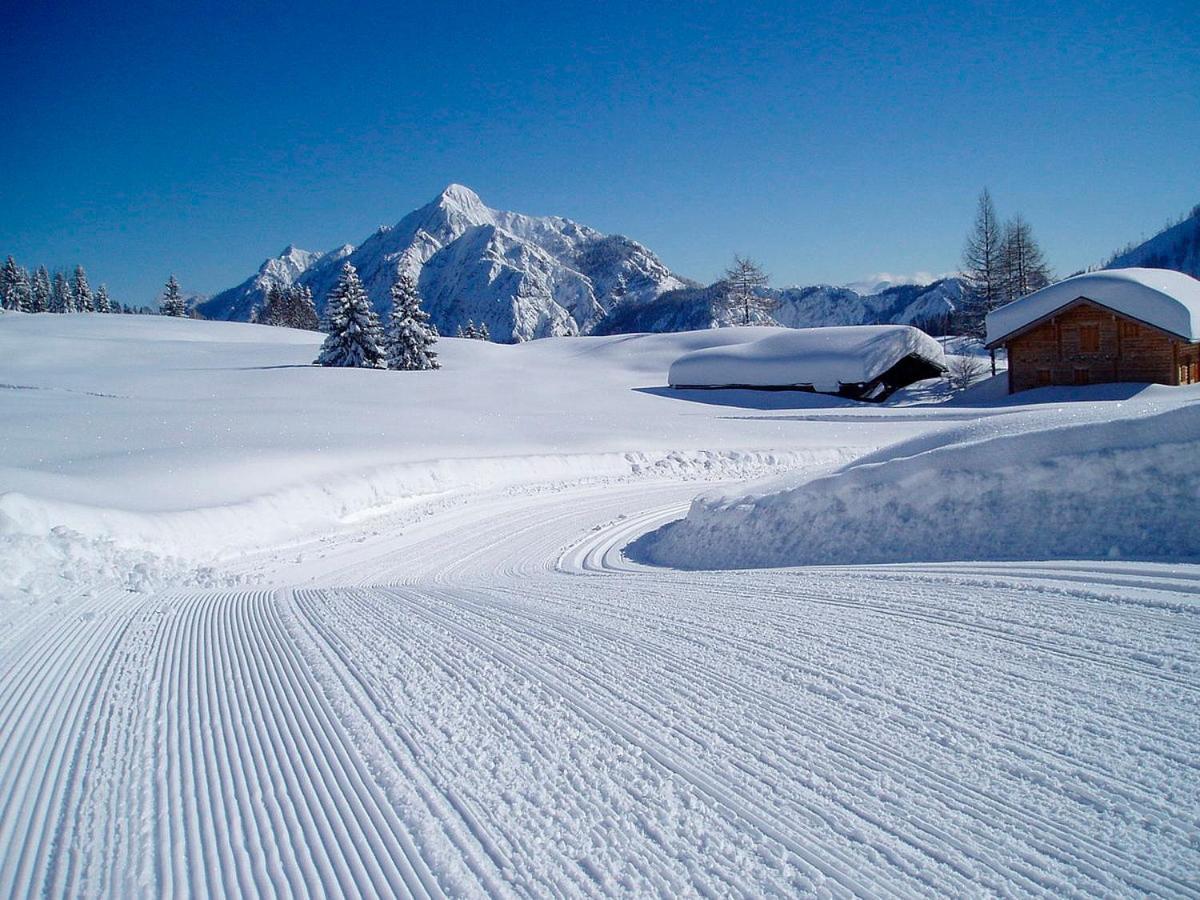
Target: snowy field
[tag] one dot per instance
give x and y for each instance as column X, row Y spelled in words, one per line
column 270, row 629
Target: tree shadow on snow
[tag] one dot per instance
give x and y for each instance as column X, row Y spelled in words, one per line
column 247, row 368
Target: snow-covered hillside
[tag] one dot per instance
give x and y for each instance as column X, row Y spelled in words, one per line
column 183, row 439
column 1176, row 247
column 523, row 276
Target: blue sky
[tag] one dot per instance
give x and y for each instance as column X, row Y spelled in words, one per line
column 829, row 141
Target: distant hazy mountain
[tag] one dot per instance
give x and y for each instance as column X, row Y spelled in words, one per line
column 799, row 307
column 1176, row 247
column 523, row 276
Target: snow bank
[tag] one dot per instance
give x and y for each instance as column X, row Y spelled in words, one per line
column 1024, row 486
column 47, row 546
column 822, row 357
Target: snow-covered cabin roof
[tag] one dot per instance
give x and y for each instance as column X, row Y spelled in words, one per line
column 822, row 357
column 1160, row 297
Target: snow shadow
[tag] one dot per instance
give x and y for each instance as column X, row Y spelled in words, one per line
column 742, row 398
column 994, row 393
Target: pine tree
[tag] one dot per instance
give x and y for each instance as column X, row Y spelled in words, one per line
column 744, row 282
column 272, row 312
column 302, row 312
column 103, row 303
column 1023, row 264
column 471, row 331
column 82, row 292
column 23, row 292
column 354, row 334
column 8, row 284
column 41, row 290
column 982, row 268
column 61, row 298
column 172, row 302
column 410, row 338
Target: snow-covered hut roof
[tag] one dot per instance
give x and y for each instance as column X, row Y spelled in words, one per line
column 1160, row 297
column 822, row 357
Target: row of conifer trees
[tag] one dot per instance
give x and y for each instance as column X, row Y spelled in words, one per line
column 40, row 292
column 43, row 292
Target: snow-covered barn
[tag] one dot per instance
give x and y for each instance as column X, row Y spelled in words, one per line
column 863, row 362
column 1139, row 325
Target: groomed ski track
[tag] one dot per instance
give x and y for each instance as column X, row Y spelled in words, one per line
column 495, row 701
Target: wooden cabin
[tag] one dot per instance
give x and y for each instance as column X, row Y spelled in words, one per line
column 1137, row 325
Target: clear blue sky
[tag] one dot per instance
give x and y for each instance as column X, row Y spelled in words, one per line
column 829, row 141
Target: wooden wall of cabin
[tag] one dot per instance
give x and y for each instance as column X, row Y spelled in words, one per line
column 1087, row 344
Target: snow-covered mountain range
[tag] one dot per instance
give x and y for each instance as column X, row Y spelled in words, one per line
column 1176, row 247
column 690, row 308
column 528, row 277
column 523, row 276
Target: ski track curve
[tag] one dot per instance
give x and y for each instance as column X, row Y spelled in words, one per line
column 493, row 700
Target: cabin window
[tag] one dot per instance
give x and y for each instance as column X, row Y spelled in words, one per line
column 1043, row 377
column 1089, row 338
column 1082, row 376
column 1129, row 329
column 1195, row 372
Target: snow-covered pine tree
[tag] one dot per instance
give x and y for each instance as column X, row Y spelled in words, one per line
column 8, row 284
column 982, row 269
column 82, row 292
column 172, row 302
column 471, row 331
column 302, row 312
column 272, row 312
column 40, row 290
column 23, row 292
column 61, row 298
column 410, row 338
column 354, row 335
column 103, row 303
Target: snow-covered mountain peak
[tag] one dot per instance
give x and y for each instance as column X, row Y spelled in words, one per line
column 523, row 276
column 459, row 195
column 292, row 259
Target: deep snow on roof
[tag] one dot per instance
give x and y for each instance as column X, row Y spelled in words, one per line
column 1161, row 297
column 822, row 357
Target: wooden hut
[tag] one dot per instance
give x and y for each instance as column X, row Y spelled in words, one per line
column 1140, row 325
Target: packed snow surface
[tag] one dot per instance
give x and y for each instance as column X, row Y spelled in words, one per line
column 1162, row 298
column 822, row 357
column 450, row 681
